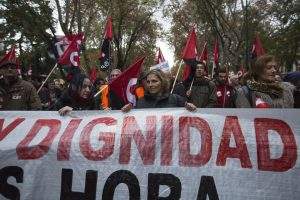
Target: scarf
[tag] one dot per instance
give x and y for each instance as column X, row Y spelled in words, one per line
column 273, row 89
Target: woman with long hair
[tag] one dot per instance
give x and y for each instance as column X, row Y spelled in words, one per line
column 78, row 96
column 157, row 94
column 261, row 88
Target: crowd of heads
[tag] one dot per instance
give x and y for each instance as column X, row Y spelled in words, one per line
column 158, row 83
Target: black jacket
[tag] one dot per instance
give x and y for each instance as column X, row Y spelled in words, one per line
column 165, row 101
column 75, row 102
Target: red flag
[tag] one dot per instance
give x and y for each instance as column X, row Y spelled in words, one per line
column 203, row 57
column 108, row 29
column 189, row 54
column 10, row 56
column 124, row 85
column 159, row 57
column 190, row 50
column 71, row 54
column 257, row 48
column 216, row 58
column 105, row 47
column 93, row 74
column 62, row 43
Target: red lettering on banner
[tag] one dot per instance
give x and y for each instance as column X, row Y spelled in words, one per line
column 4, row 132
column 107, row 137
column 166, row 140
column 146, row 147
column 289, row 154
column 26, row 152
column 185, row 157
column 64, row 144
column 232, row 126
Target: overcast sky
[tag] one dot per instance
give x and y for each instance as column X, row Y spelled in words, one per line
column 166, row 49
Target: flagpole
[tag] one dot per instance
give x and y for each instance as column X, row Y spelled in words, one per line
column 100, row 91
column 180, row 65
column 212, row 71
column 192, row 84
column 246, row 36
column 47, row 78
column 110, row 60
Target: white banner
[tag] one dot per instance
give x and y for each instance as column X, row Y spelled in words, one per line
column 164, row 66
column 151, row 154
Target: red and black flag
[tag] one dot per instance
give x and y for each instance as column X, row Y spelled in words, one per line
column 61, row 42
column 105, row 61
column 71, row 55
column 257, row 48
column 189, row 55
column 124, row 85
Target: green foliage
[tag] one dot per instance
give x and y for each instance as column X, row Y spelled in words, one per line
column 276, row 21
column 28, row 25
column 32, row 24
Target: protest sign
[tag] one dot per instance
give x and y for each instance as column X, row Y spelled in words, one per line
column 151, row 154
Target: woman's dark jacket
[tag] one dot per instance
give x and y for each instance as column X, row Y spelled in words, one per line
column 75, row 102
column 164, row 101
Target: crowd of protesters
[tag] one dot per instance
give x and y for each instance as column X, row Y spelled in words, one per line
column 260, row 87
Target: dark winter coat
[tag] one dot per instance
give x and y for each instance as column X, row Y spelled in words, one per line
column 203, row 94
column 21, row 96
column 164, row 101
column 75, row 102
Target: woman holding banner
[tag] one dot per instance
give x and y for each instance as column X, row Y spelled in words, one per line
column 157, row 94
column 78, row 96
column 262, row 90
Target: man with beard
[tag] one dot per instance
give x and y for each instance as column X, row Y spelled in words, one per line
column 224, row 92
column 203, row 91
column 18, row 94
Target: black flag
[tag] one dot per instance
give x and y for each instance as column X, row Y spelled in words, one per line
column 105, row 61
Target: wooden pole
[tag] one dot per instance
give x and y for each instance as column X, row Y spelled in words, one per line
column 176, row 77
column 47, row 78
column 100, row 91
column 192, row 84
